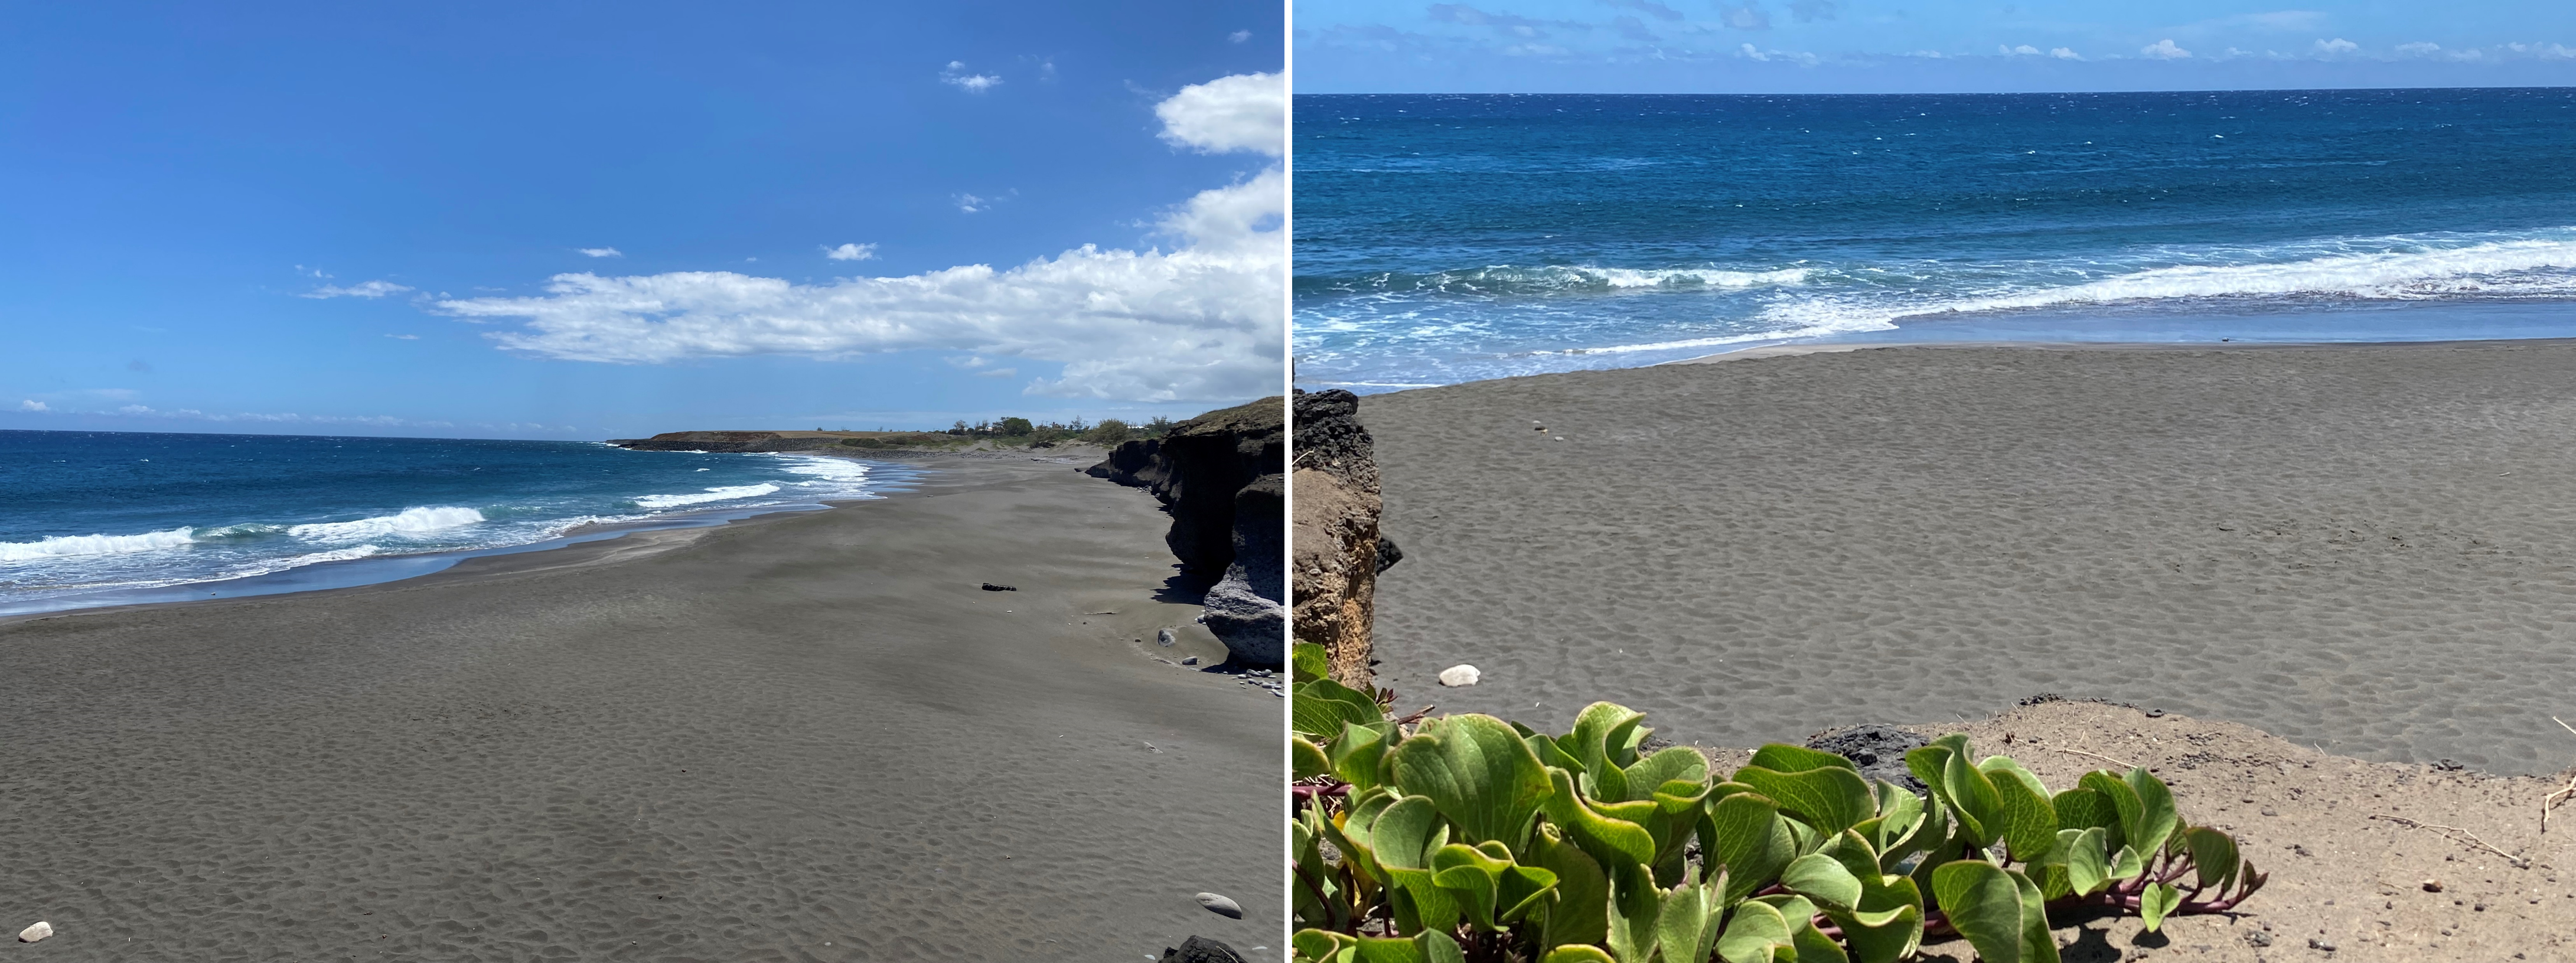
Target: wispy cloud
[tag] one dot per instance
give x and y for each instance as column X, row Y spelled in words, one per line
column 956, row 75
column 362, row 289
column 999, row 373
column 973, row 204
column 1810, row 11
column 2337, row 45
column 1238, row 36
column 2163, row 50
column 601, row 251
column 404, row 337
column 1668, row 14
column 1746, row 17
column 851, row 252
column 1200, row 322
column 32, row 404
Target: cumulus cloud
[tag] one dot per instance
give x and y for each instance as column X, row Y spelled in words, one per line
column 1203, row 321
column 2065, row 53
column 851, row 252
column 1801, row 58
column 363, row 289
column 2025, row 50
column 1245, row 112
column 2163, row 50
column 32, row 404
column 956, row 75
column 601, row 251
column 2337, row 45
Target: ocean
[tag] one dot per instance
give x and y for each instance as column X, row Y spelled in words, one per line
column 1442, row 239
column 108, row 518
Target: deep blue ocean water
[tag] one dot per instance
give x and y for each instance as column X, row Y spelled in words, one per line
column 91, row 518
column 1450, row 238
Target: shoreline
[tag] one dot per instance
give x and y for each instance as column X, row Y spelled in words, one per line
column 807, row 736
column 2356, row 545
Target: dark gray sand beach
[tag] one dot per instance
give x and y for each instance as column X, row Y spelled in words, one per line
column 802, row 737
column 2366, row 549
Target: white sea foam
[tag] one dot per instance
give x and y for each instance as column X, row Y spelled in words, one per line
column 718, row 494
column 1679, row 277
column 827, row 470
column 69, row 546
column 409, row 521
column 1505, row 277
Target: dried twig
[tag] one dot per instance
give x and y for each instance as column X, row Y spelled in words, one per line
column 2457, row 835
column 2080, row 752
column 2552, row 800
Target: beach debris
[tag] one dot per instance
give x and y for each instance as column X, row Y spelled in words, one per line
column 1190, row 660
column 39, row 931
column 1461, row 675
column 990, row 587
column 2551, row 801
column 1879, row 751
column 1200, row 949
column 1221, row 906
column 2457, row 835
column 1164, row 637
column 2432, row 886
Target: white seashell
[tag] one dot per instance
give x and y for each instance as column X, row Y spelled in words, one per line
column 1460, row 675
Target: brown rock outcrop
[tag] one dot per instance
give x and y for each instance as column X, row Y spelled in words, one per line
column 1336, row 552
column 1219, row 475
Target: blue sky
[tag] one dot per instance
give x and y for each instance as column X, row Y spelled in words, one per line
column 557, row 220
column 1924, row 46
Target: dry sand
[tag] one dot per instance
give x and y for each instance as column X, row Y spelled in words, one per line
column 2368, row 549
column 803, row 737
column 2340, row 876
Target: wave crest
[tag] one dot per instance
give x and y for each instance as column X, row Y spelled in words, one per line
column 718, row 494
column 68, row 546
column 408, row 521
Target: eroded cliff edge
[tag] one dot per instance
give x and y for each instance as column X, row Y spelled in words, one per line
column 1337, row 552
column 1221, row 476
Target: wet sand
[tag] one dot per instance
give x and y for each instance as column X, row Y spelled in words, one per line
column 800, row 737
column 2369, row 549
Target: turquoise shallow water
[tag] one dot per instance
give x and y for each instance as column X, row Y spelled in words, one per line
column 92, row 518
column 1450, row 238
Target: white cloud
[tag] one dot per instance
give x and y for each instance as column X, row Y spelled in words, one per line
column 362, row 289
column 2023, row 50
column 970, row 203
column 404, row 337
column 2419, row 49
column 1247, row 112
column 1203, row 321
column 2337, row 45
column 2163, row 50
column 956, row 76
column 1238, row 36
column 1797, row 57
column 2065, row 53
column 999, row 373
column 851, row 252
column 32, row 404
column 601, row 251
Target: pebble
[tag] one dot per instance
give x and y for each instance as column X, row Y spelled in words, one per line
column 1221, row 906
column 44, row 929
column 1190, row 660
column 990, row 587
column 1460, row 675
column 1165, row 637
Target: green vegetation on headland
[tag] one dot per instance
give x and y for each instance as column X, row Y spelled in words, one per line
column 1463, row 838
column 1018, row 432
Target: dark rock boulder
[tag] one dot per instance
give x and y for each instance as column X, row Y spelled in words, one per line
column 1878, row 750
column 1200, row 949
column 1247, row 609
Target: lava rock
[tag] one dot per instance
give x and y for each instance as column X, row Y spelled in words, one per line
column 1879, row 751
column 990, row 587
column 1200, row 949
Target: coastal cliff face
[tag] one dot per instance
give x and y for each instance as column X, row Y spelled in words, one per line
column 737, row 441
column 1338, row 552
column 1221, row 477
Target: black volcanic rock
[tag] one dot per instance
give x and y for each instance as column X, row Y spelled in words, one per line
column 1196, row 470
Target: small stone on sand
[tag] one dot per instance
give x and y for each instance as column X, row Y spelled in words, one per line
column 1460, row 675
column 43, row 929
column 1190, row 660
column 1221, row 906
column 990, row 587
column 1165, row 637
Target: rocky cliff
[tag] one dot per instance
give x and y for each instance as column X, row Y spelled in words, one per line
column 1219, row 475
column 1337, row 553
column 743, row 441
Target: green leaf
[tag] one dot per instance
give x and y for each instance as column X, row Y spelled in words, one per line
column 1984, row 905
column 1522, row 889
column 2157, row 900
column 1603, row 733
column 2123, row 797
column 1577, row 953
column 1687, row 928
column 1307, row 662
column 1831, row 798
column 1438, row 947
column 2083, row 807
column 1782, row 757
column 1651, row 774
column 1320, row 707
column 1358, row 757
column 1611, row 841
column 2029, row 820
column 1477, row 772
column 1390, row 950
column 1822, row 878
column 1581, row 913
column 2213, row 856
column 1887, row 925
column 2036, row 945
column 1744, row 833
column 2157, row 820
column 1754, row 935
column 1404, row 838
column 2127, row 863
column 1323, row 946
column 2088, row 866
column 1472, row 878
column 1308, row 759
column 1980, row 807
column 1900, row 813
column 1635, row 904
